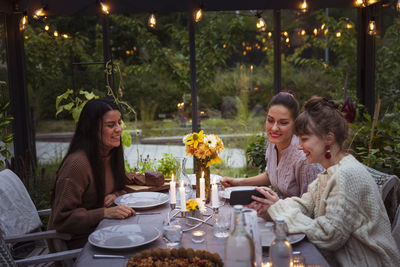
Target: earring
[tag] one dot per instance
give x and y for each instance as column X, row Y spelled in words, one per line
column 328, row 152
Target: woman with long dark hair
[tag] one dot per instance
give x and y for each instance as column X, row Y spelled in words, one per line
column 91, row 175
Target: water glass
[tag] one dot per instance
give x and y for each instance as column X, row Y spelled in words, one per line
column 172, row 235
column 223, row 222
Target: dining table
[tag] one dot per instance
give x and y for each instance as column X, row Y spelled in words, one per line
column 155, row 216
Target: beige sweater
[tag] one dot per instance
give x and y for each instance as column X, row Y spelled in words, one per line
column 343, row 215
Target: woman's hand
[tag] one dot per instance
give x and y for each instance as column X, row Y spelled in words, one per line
column 119, row 212
column 109, row 199
column 228, row 182
column 261, row 205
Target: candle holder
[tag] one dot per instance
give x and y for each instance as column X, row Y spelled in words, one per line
column 198, row 236
column 179, row 214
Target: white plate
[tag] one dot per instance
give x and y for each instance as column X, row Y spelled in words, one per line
column 227, row 192
column 192, row 178
column 142, row 199
column 268, row 236
column 123, row 236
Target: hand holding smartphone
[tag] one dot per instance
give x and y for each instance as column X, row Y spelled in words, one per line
column 243, row 197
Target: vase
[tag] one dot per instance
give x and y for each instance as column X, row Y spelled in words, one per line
column 200, row 167
column 181, row 176
column 195, row 214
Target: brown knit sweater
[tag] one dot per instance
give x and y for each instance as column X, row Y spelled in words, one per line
column 75, row 209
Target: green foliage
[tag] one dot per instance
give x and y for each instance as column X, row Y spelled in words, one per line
column 255, row 152
column 75, row 105
column 167, row 165
column 142, row 165
column 384, row 154
column 6, row 134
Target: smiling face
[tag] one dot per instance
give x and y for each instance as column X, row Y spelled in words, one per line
column 111, row 130
column 313, row 147
column 279, row 126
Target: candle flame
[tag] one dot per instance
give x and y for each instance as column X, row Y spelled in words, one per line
column 202, row 174
column 172, row 177
column 182, row 184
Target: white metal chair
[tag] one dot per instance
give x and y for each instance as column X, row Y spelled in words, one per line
column 20, row 222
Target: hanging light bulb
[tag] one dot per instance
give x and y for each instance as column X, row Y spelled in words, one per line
column 398, row 5
column 197, row 15
column 304, row 6
column 55, row 33
column 372, row 27
column 338, row 34
column 269, row 34
column 315, row 31
column 152, row 21
column 323, row 26
column 361, row 3
column 23, row 22
column 261, row 25
column 39, row 13
column 46, row 28
column 66, row 36
column 349, row 26
column 104, row 8
column 303, row 32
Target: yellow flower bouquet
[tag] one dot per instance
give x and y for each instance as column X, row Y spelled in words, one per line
column 206, row 149
column 194, row 208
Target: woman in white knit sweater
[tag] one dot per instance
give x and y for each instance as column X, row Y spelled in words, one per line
column 342, row 213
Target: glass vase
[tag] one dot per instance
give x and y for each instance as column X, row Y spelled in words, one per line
column 195, row 214
column 181, row 176
column 200, row 167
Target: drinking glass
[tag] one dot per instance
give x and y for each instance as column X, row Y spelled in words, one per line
column 172, row 235
column 223, row 222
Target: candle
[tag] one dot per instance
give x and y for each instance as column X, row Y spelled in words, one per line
column 182, row 196
column 172, row 191
column 198, row 236
column 202, row 187
column 214, row 194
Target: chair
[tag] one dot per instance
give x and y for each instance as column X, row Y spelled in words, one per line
column 6, row 260
column 396, row 227
column 19, row 219
column 388, row 186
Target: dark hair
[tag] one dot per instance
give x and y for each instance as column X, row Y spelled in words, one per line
column 287, row 100
column 320, row 117
column 86, row 138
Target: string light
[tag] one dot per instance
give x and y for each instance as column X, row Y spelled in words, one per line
column 23, row 23
column 323, row 26
column 46, row 28
column 398, row 5
column 261, row 25
column 325, row 31
column 315, row 31
column 198, row 14
column 66, row 36
column 338, row 34
column 269, row 34
column 39, row 13
column 286, row 34
column 152, row 21
column 361, row 3
column 372, row 27
column 349, row 26
column 104, row 8
column 55, row 33
column 287, row 40
column 303, row 32
column 304, row 6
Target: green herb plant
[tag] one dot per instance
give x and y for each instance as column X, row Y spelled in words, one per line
column 167, row 165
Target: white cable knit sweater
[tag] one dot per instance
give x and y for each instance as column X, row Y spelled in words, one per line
column 343, row 215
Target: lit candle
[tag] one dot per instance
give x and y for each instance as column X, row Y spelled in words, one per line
column 202, row 187
column 172, row 190
column 182, row 195
column 198, row 236
column 214, row 194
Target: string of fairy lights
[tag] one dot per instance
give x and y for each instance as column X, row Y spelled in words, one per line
column 198, row 14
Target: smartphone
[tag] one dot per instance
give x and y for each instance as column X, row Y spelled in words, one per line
column 243, row 197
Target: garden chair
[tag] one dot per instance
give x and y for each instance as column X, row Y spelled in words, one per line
column 6, row 260
column 19, row 218
column 396, row 227
column 388, row 186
